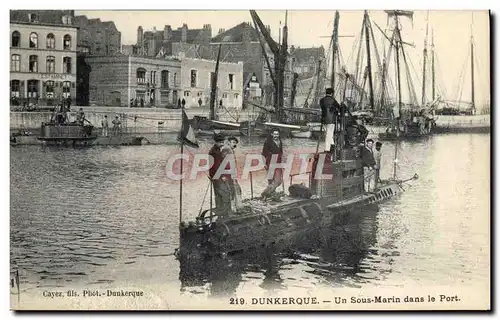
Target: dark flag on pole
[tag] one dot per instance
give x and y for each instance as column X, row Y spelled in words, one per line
column 186, row 135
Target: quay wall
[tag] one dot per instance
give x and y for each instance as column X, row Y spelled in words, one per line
column 139, row 120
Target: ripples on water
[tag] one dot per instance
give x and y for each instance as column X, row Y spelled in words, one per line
column 104, row 215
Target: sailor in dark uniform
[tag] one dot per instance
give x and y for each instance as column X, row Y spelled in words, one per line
column 329, row 110
column 222, row 189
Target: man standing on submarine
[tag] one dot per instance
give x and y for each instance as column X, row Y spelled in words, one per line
column 329, row 110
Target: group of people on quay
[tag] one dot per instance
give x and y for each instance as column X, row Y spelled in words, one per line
column 226, row 188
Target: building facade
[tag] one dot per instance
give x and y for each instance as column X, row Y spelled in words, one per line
column 134, row 81
column 42, row 56
column 196, row 83
column 161, row 82
column 96, row 37
column 241, row 43
column 306, row 60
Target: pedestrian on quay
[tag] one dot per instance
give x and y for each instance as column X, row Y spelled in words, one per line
column 105, row 126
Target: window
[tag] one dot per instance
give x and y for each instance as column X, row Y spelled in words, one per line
column 175, row 79
column 67, row 42
column 33, row 40
column 51, row 64
column 15, row 88
column 141, row 76
column 49, row 89
column 16, row 39
column 152, row 77
column 33, row 67
column 186, row 93
column 231, row 79
column 164, row 79
column 51, row 41
column 66, row 89
column 33, row 89
column 33, row 17
column 66, row 19
column 200, row 94
column 193, row 78
column 236, row 96
column 224, row 95
column 66, row 65
column 15, row 63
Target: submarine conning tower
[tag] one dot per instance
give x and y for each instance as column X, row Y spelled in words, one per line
column 338, row 174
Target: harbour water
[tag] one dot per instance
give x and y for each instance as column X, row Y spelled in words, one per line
column 108, row 216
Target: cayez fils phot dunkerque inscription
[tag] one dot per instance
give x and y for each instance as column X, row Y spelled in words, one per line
column 244, row 160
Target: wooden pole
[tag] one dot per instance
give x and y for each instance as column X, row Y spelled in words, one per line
column 180, row 184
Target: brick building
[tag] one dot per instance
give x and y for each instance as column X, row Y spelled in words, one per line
column 42, row 56
column 305, row 60
column 241, row 43
column 97, row 37
column 123, row 80
column 158, row 43
column 133, row 81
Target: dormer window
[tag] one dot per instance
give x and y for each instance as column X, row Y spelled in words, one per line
column 66, row 19
column 33, row 17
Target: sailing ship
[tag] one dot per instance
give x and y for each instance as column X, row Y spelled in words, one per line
column 451, row 118
column 277, row 220
column 409, row 121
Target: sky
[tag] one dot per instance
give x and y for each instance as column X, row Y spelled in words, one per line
column 452, row 31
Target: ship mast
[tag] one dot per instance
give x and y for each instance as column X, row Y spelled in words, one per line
column 472, row 67
column 280, row 58
column 425, row 60
column 334, row 48
column 213, row 92
column 368, row 60
column 433, row 72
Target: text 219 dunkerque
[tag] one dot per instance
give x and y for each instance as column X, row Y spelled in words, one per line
column 274, row 301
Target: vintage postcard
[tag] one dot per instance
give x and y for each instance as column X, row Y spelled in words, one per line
column 250, row 160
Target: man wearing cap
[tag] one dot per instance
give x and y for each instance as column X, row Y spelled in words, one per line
column 221, row 187
column 229, row 150
column 273, row 146
column 329, row 108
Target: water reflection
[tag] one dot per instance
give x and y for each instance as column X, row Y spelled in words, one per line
column 341, row 254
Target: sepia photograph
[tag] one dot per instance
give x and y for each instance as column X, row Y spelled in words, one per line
column 250, row 160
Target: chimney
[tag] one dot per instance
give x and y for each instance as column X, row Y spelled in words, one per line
column 167, row 33
column 184, row 33
column 221, row 30
column 140, row 36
